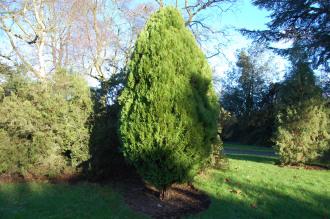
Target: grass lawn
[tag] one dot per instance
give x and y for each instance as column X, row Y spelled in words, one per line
column 253, row 187
column 43, row 200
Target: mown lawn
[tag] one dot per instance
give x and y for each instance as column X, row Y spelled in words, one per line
column 43, row 200
column 253, row 187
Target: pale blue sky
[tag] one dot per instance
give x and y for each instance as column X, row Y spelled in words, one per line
column 241, row 15
column 246, row 15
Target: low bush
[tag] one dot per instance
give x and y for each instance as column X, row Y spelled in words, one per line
column 44, row 126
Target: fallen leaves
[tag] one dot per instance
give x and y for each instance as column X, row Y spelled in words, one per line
column 236, row 191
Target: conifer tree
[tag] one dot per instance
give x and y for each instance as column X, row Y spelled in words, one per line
column 169, row 107
column 302, row 121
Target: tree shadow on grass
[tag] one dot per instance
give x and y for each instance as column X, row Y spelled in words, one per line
column 44, row 200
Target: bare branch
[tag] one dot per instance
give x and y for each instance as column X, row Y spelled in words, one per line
column 160, row 3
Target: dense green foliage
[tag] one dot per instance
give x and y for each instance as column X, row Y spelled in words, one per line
column 43, row 125
column 169, row 108
column 104, row 147
column 302, row 119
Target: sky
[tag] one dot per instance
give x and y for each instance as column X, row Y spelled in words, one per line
column 242, row 15
column 245, row 15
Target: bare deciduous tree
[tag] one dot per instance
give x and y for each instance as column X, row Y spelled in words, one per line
column 94, row 37
column 25, row 24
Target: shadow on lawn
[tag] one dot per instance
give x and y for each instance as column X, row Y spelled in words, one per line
column 44, row 200
column 244, row 200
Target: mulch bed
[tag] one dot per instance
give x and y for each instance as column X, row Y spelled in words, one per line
column 182, row 199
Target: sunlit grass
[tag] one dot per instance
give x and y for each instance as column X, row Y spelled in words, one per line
column 254, row 187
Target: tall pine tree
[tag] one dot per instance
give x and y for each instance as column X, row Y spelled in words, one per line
column 169, row 107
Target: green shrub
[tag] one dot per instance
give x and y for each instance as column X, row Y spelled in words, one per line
column 44, row 126
column 325, row 157
column 302, row 121
column 169, row 108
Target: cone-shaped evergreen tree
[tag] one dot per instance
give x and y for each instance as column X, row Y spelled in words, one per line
column 169, row 107
column 302, row 121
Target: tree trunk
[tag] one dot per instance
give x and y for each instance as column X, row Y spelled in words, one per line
column 163, row 193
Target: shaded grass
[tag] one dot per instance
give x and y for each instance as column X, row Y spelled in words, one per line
column 43, row 200
column 254, row 158
column 255, row 188
column 237, row 146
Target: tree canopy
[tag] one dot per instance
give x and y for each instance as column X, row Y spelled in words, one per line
column 305, row 21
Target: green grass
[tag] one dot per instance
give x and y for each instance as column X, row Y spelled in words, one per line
column 241, row 148
column 254, row 158
column 254, row 187
column 43, row 200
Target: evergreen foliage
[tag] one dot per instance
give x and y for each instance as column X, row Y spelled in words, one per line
column 106, row 156
column 169, row 108
column 302, row 120
column 104, row 144
column 44, row 125
column 305, row 22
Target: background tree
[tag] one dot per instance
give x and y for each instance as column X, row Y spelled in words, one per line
column 302, row 132
column 84, row 35
column 169, row 108
column 248, row 96
column 306, row 22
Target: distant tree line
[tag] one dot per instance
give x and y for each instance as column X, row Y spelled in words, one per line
column 292, row 114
